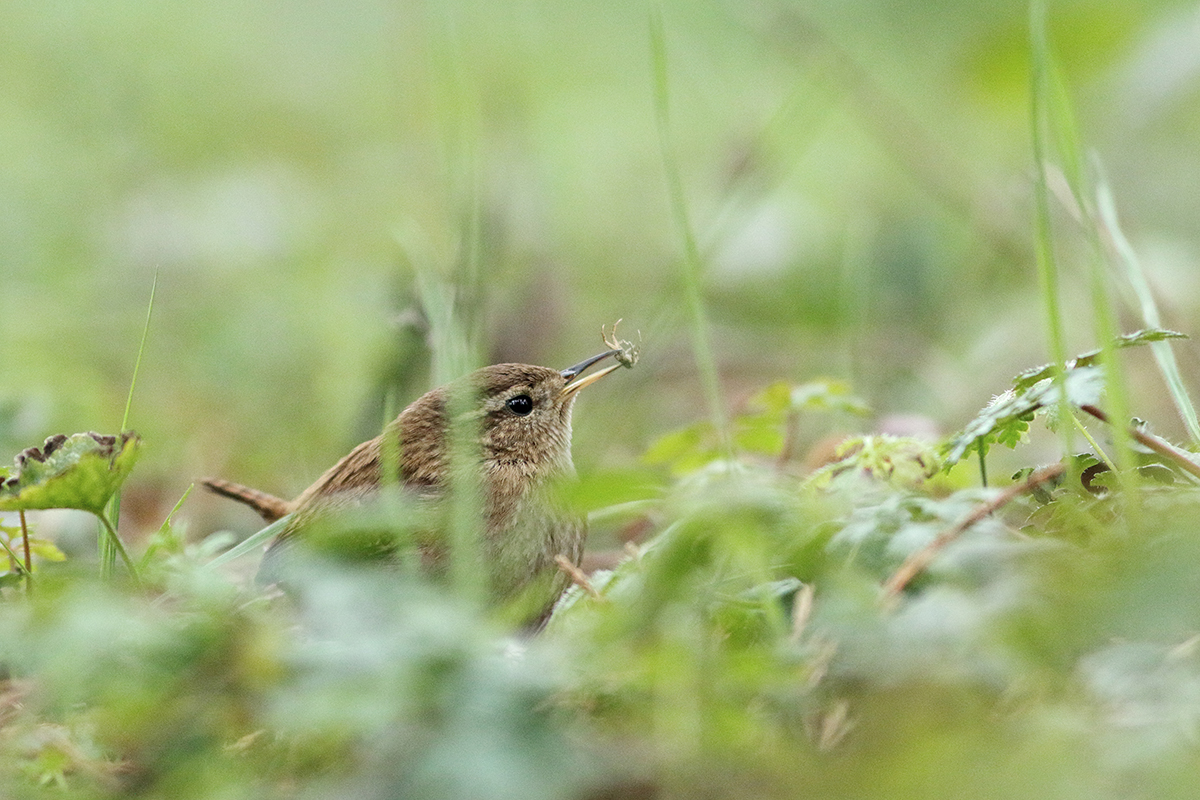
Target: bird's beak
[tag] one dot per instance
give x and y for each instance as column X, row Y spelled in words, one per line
column 575, row 383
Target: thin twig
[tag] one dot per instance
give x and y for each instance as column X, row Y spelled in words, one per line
column 576, row 575
column 918, row 561
column 1155, row 443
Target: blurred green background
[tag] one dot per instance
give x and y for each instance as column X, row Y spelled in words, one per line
column 858, row 174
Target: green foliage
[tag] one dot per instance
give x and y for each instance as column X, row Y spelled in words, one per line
column 901, row 461
column 80, row 471
column 747, row 643
column 1028, row 378
column 1006, row 419
column 825, row 191
column 771, row 417
column 13, row 540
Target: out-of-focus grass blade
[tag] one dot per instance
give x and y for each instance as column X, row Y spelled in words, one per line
column 1106, row 209
column 253, row 541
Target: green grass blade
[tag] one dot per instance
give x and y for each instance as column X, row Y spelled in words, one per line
column 454, row 341
column 114, row 541
column 163, row 530
column 1047, row 265
column 692, row 263
column 1106, row 209
column 1054, row 121
column 137, row 364
column 107, row 543
column 251, row 542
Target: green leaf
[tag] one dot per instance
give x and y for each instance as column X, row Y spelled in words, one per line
column 776, row 398
column 759, row 433
column 167, row 540
column 899, row 460
column 80, row 471
column 47, row 550
column 1006, row 419
column 251, row 542
column 827, row 395
column 1032, row 376
column 686, row 449
column 602, row 489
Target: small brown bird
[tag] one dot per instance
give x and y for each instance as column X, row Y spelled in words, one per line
column 523, row 416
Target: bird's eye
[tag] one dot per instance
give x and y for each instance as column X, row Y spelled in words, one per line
column 520, row 405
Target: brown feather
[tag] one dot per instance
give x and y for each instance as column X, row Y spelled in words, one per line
column 268, row 506
column 520, row 455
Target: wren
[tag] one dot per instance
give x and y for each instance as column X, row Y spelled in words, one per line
column 522, row 414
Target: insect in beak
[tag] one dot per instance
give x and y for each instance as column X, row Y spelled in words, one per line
column 575, row 383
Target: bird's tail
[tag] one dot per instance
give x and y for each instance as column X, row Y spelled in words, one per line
column 268, row 506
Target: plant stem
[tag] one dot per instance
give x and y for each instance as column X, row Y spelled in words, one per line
column 14, row 561
column 137, row 364
column 28, row 559
column 918, row 561
column 119, row 547
column 1100, row 454
column 692, row 261
column 105, row 544
column 577, row 576
column 983, row 464
column 1040, row 98
column 1155, row 443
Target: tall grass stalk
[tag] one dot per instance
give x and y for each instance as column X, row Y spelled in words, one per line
column 1039, row 91
column 1107, row 331
column 1106, row 210
column 1059, row 125
column 455, row 353
column 109, row 544
column 451, row 292
column 692, row 262
column 27, row 563
column 254, row 542
column 1054, row 120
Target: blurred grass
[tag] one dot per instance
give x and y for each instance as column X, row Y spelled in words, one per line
column 348, row 202
column 856, row 174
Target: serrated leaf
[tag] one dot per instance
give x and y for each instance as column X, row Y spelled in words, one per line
column 898, row 460
column 79, row 471
column 1008, row 416
column 1029, row 377
column 1085, row 387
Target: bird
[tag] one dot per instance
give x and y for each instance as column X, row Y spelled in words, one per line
column 521, row 415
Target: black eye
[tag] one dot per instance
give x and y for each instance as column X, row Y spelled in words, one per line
column 520, row 405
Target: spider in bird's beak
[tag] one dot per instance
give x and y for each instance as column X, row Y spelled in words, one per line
column 575, row 383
